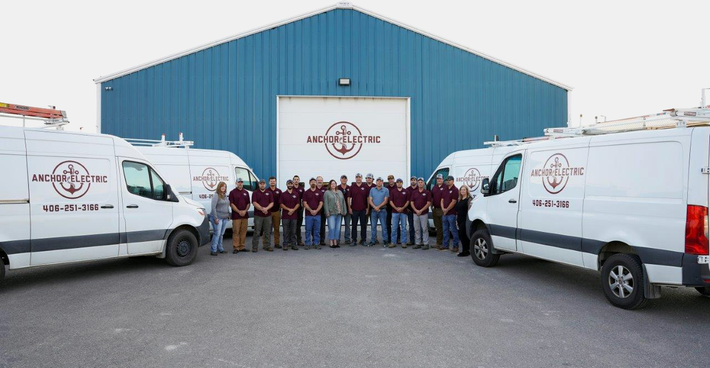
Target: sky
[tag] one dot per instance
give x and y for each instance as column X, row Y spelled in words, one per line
column 623, row 58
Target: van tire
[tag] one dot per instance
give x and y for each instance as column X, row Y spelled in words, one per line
column 704, row 291
column 181, row 248
column 482, row 249
column 2, row 270
column 629, row 293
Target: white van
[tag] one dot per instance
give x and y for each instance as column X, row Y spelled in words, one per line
column 633, row 205
column 195, row 173
column 72, row 197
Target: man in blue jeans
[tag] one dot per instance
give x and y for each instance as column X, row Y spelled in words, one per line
column 449, row 196
column 378, row 201
column 399, row 201
column 313, row 202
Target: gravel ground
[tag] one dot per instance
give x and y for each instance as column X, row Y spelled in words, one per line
column 349, row 307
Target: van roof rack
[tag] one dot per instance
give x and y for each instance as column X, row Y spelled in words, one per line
column 668, row 119
column 52, row 118
column 181, row 143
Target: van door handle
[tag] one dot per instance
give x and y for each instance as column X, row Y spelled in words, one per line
column 512, row 201
column 132, row 206
column 107, row 206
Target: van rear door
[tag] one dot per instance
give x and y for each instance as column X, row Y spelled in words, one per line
column 73, row 197
column 14, row 199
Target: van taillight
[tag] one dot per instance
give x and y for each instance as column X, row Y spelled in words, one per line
column 696, row 230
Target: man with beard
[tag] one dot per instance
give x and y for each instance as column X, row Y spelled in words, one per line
column 289, row 203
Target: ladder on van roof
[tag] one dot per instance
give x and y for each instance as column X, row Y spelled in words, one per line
column 668, row 119
column 52, row 118
column 181, row 143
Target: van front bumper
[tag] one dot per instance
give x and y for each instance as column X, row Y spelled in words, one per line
column 204, row 231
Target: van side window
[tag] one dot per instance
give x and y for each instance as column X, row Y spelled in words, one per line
column 141, row 180
column 443, row 171
column 506, row 178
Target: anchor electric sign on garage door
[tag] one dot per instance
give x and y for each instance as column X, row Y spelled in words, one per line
column 331, row 136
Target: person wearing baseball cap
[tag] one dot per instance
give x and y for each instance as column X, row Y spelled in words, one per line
column 449, row 197
column 438, row 214
column 357, row 206
column 410, row 214
column 399, row 201
column 263, row 201
column 369, row 181
column 345, row 189
column 289, row 203
column 390, row 185
column 240, row 203
column 420, row 200
column 378, row 201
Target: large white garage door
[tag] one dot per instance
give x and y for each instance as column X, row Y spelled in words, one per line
column 332, row 136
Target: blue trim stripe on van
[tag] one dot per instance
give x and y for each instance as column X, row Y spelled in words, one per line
column 579, row 244
column 82, row 241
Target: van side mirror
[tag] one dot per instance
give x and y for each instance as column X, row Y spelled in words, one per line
column 485, row 187
column 169, row 195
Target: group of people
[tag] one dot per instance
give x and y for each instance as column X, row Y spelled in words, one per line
column 402, row 213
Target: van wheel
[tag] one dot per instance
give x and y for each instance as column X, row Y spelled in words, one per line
column 704, row 291
column 482, row 249
column 622, row 281
column 182, row 248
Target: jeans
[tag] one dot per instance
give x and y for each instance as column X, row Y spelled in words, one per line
column 289, row 232
column 312, row 229
column 410, row 220
column 347, row 218
column 382, row 216
column 421, row 229
column 261, row 225
column 449, row 222
column 361, row 217
column 334, row 227
column 399, row 226
column 218, row 235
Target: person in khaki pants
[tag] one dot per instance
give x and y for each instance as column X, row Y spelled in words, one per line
column 275, row 211
column 240, row 203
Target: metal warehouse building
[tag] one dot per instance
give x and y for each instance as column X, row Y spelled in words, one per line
column 341, row 89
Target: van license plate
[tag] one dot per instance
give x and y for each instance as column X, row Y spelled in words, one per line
column 704, row 259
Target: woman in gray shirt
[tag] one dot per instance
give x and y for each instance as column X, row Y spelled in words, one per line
column 335, row 209
column 219, row 215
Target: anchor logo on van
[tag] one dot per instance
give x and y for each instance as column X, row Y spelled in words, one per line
column 72, row 184
column 556, row 172
column 472, row 178
column 210, row 178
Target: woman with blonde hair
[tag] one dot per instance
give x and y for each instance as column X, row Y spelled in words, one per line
column 219, row 216
column 462, row 207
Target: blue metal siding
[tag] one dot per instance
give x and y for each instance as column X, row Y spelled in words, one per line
column 224, row 97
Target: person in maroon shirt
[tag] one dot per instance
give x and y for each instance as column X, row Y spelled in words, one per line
column 449, row 196
column 263, row 201
column 290, row 203
column 322, row 188
column 391, row 185
column 357, row 207
column 239, row 201
column 419, row 201
column 410, row 215
column 300, row 188
column 345, row 189
column 399, row 200
column 438, row 214
column 313, row 203
column 370, row 182
column 275, row 211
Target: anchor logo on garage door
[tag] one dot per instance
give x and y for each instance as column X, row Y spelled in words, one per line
column 344, row 140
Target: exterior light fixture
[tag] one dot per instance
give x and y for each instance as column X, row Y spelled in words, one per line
column 344, row 81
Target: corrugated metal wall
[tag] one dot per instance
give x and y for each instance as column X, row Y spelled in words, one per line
column 224, row 97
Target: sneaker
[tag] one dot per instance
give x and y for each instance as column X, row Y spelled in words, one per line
column 235, row 251
column 317, row 246
column 392, row 245
column 213, row 254
column 307, row 247
column 417, row 246
column 370, row 244
column 377, row 242
column 404, row 245
column 462, row 254
column 362, row 242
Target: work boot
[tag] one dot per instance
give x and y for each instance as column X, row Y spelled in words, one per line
column 269, row 249
column 411, row 242
column 404, row 245
column 425, row 247
column 254, row 250
column 317, row 246
column 294, row 248
column 417, row 246
column 285, row 248
column 392, row 245
column 277, row 246
column 307, row 247
column 213, row 254
column 455, row 249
